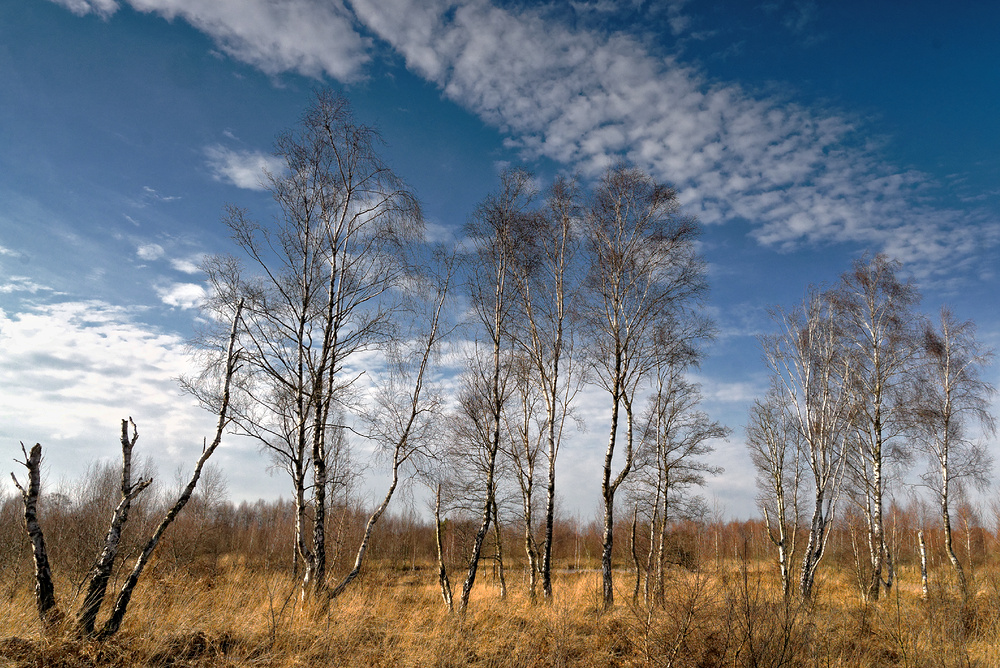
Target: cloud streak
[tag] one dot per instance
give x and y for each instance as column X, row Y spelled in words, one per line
column 587, row 99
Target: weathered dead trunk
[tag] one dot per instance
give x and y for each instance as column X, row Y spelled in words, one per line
column 45, row 595
column 100, row 573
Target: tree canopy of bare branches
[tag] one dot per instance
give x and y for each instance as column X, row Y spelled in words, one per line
column 643, row 271
column 322, row 285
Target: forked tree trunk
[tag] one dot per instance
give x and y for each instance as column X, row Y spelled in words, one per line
column 100, row 573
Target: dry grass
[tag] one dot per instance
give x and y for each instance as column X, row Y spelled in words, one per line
column 730, row 616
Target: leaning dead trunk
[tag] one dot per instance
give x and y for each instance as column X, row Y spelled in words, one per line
column 45, row 595
column 114, row 622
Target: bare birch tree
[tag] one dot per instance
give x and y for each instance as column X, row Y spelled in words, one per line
column 677, row 437
column 810, row 368
column 402, row 419
column 492, row 230
column 874, row 309
column 776, row 451
column 951, row 398
column 643, row 269
column 524, row 424
column 547, row 277
column 322, row 290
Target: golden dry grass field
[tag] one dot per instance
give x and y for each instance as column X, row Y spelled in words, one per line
column 728, row 614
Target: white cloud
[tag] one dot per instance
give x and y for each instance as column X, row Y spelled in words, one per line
column 22, row 284
column 70, row 372
column 243, row 169
column 150, row 251
column 586, row 99
column 182, row 295
column 103, row 8
column 187, row 265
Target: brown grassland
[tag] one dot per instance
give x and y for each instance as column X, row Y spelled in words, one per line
column 219, row 596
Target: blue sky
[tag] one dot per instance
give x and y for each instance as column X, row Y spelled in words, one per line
column 801, row 134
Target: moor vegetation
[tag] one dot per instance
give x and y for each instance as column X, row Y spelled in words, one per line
column 222, row 591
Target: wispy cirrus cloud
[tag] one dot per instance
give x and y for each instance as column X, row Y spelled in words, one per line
column 22, row 284
column 243, row 169
column 312, row 37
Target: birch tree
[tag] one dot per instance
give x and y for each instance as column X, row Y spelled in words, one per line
column 643, row 269
column 874, row 309
column 677, row 436
column 492, row 231
column 810, row 368
column 402, row 419
column 321, row 286
column 547, row 277
column 776, row 451
column 953, row 399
